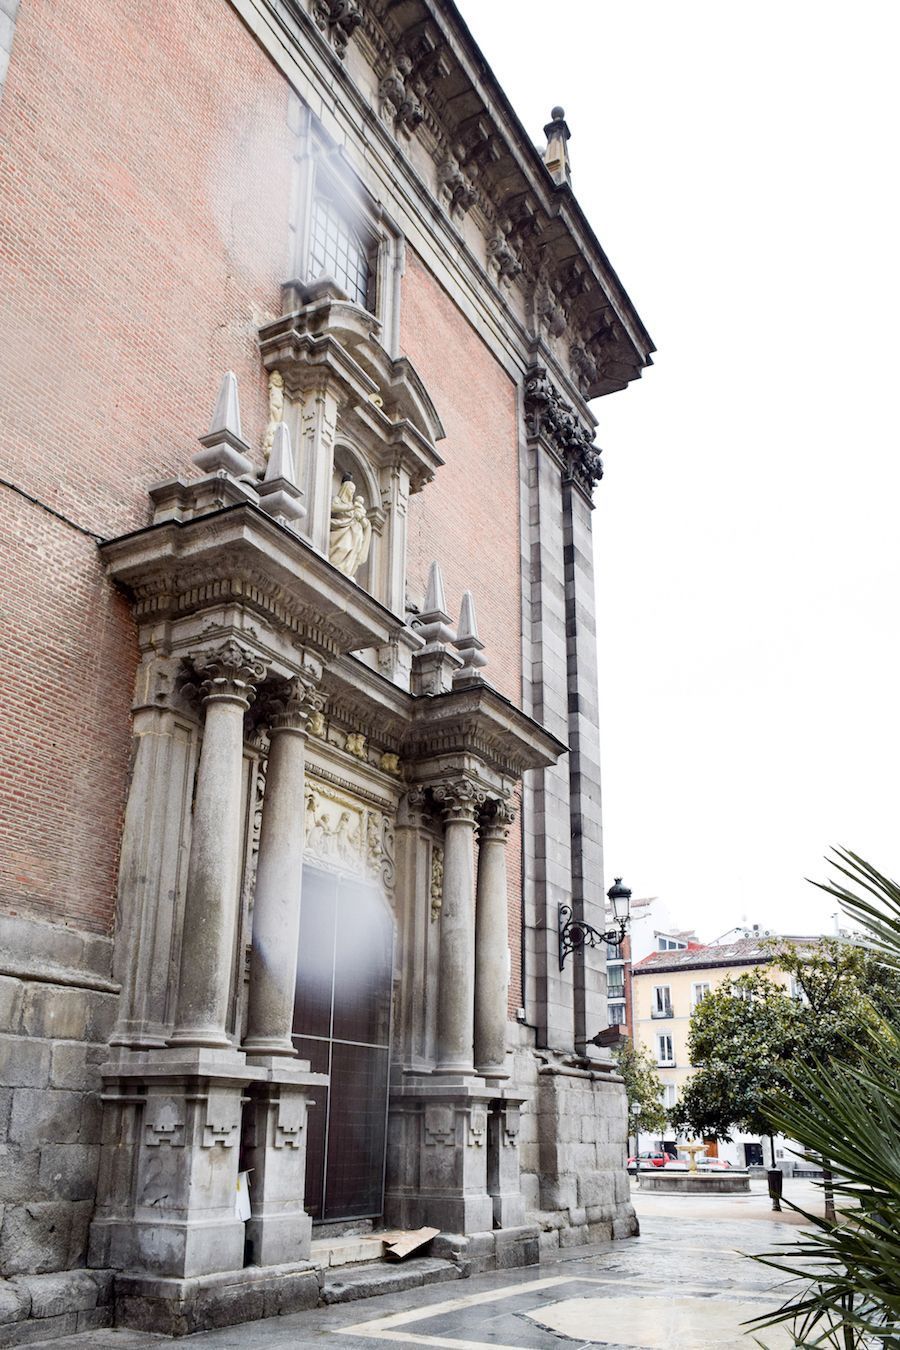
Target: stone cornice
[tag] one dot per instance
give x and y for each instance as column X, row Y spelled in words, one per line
column 451, row 733
column 180, row 570
column 537, row 237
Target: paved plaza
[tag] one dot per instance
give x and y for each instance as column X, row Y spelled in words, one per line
column 683, row 1285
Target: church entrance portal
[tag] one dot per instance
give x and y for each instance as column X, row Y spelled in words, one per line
column 342, row 1021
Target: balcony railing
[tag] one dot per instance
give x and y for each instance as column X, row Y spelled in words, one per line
column 663, row 1012
column 615, row 991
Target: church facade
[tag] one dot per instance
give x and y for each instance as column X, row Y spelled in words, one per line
column 298, row 331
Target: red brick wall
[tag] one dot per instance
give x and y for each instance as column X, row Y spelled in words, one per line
column 143, row 228
column 468, row 518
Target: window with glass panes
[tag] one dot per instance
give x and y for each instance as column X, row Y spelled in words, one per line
column 336, row 250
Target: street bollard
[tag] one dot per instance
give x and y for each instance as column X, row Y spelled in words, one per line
column 775, row 1180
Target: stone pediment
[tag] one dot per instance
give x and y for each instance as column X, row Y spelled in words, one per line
column 382, row 398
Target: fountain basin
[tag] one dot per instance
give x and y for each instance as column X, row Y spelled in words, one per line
column 734, row 1181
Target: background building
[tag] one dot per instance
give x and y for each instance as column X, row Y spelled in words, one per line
column 245, row 672
column 667, row 986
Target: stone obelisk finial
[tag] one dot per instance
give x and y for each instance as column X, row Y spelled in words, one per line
column 556, row 155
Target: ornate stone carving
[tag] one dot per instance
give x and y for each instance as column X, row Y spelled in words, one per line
column 343, row 835
column 356, row 745
column 459, row 799
column 555, row 421
column 454, row 188
column 164, row 1122
column 223, row 1119
column 339, row 19
column 276, row 409
column 477, row 1126
column 350, row 536
column 440, row 1126
column 289, row 1121
column 398, row 97
column 291, row 707
column 496, row 819
column 229, row 672
column 502, row 255
column 437, row 881
column 389, row 763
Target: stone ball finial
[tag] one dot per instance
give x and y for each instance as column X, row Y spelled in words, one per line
column 558, row 114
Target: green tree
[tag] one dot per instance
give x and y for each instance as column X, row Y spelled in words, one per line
column 847, row 1110
column 742, row 1035
column 749, row 1034
column 643, row 1086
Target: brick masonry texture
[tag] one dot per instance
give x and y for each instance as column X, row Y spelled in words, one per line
column 467, row 518
column 137, row 256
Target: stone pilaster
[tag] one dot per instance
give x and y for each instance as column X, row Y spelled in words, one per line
column 321, row 400
column 279, row 874
column 151, row 879
column 229, row 675
column 460, row 801
column 492, row 941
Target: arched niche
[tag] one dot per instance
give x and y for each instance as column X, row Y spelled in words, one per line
column 350, row 462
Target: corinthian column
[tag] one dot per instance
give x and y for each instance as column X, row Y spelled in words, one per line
column 279, row 876
column 211, row 905
column 492, row 942
column 455, row 1017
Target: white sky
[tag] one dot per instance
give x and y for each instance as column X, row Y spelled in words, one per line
column 739, row 164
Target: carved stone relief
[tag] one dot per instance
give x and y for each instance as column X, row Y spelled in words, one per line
column 437, row 881
column 343, row 834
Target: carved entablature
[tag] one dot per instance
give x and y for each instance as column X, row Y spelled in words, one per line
column 556, row 424
column 477, row 735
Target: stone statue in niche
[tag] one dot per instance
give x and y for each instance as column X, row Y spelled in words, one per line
column 351, row 530
column 276, row 409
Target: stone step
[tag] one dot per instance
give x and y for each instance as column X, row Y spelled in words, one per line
column 367, row 1281
column 352, row 1249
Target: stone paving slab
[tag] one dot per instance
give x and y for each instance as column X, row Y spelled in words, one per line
column 683, row 1285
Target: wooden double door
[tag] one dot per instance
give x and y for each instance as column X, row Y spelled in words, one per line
column 342, row 1025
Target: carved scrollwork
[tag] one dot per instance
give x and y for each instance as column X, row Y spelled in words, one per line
column 460, row 800
column 230, row 672
column 552, row 418
column 437, row 881
column 339, row 19
column 496, row 819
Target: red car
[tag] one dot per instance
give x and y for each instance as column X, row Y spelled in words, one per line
column 647, row 1160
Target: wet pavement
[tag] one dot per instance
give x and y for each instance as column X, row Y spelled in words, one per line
column 684, row 1284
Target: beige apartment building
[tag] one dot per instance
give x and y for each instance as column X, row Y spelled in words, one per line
column 666, row 988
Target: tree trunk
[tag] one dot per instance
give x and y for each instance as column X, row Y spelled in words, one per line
column 828, row 1187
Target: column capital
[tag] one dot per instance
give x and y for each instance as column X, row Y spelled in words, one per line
column 293, row 706
column 229, row 673
column 414, row 807
column 496, row 819
column 460, row 800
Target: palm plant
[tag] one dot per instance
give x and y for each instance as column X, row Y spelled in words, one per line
column 849, row 1114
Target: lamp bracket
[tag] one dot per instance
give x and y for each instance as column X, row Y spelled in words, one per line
column 575, row 934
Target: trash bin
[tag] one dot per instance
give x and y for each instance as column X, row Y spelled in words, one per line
column 775, row 1178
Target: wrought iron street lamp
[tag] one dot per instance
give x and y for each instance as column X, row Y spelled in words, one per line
column 575, row 934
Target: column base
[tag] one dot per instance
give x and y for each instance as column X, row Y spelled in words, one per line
column 177, row 1307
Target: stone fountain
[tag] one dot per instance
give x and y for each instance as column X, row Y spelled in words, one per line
column 728, row 1181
